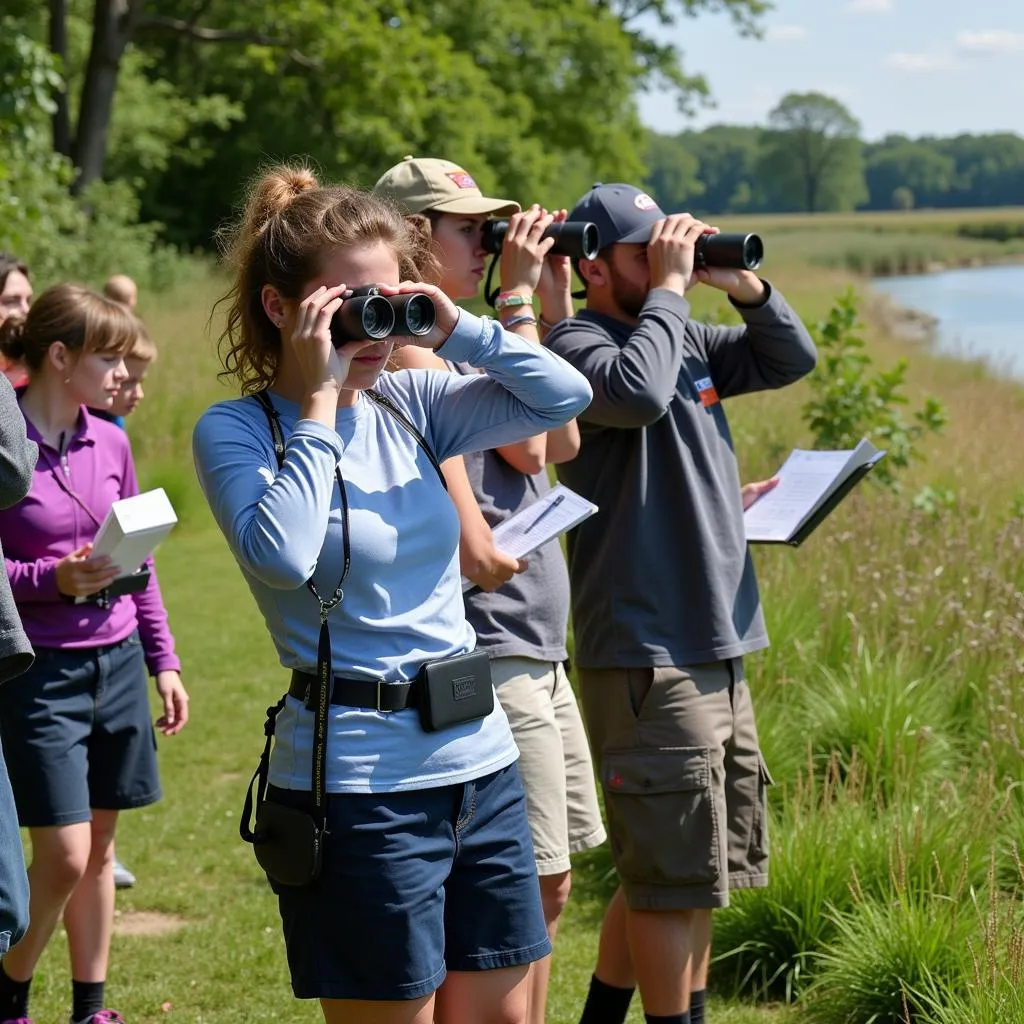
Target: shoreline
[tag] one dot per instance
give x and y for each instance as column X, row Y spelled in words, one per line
column 929, row 267
column 918, row 327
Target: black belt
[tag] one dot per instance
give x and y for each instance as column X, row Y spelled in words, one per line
column 359, row 693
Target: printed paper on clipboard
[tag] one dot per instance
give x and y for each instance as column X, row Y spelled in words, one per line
column 534, row 526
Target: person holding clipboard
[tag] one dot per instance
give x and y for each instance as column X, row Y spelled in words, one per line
column 665, row 602
column 76, row 726
column 519, row 608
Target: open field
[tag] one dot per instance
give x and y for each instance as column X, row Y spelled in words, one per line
column 879, row 244
column 891, row 708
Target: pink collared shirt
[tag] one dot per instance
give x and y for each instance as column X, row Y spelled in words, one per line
column 69, row 497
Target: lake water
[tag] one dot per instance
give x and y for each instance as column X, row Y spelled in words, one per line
column 980, row 311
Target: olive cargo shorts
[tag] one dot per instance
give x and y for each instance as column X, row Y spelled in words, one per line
column 684, row 781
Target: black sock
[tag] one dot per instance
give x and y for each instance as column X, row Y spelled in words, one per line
column 13, row 996
column 606, row 1004
column 697, row 1007
column 86, row 999
column 672, row 1018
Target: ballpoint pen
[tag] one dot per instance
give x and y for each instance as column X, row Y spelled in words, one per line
column 554, row 504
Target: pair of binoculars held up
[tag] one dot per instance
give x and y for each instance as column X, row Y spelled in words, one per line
column 578, row 240
column 366, row 314
column 736, row 251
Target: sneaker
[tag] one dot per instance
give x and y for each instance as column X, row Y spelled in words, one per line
column 123, row 878
column 102, row 1017
column 17, row 1020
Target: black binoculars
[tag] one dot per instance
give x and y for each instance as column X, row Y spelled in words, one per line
column 579, row 240
column 728, row 251
column 366, row 314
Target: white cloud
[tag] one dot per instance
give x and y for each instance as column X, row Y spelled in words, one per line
column 929, row 62
column 996, row 40
column 786, row 33
column 869, row 6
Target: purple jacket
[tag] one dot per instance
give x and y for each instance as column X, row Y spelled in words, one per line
column 67, row 502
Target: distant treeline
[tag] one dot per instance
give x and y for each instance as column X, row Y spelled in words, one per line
column 733, row 169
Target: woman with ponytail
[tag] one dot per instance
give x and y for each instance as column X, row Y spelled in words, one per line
column 76, row 726
column 424, row 905
column 519, row 610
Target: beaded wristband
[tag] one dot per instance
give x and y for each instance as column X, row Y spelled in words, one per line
column 508, row 300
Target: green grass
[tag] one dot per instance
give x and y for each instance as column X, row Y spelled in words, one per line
column 891, row 705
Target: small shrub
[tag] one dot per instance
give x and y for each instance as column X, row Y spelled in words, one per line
column 849, row 400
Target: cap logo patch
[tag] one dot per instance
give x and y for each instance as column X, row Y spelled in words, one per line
column 461, row 179
column 644, row 202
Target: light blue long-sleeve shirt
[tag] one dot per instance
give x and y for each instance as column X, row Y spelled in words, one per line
column 403, row 599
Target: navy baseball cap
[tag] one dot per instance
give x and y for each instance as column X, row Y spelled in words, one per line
column 622, row 213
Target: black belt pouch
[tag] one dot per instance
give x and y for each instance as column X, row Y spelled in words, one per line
column 455, row 690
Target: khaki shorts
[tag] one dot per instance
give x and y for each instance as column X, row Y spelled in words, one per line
column 554, row 759
column 684, row 781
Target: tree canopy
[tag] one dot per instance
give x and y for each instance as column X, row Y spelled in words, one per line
column 127, row 126
column 809, row 158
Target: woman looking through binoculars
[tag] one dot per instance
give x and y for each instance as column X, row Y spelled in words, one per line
column 519, row 610
column 411, row 896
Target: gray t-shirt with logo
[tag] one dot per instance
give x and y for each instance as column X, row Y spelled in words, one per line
column 662, row 575
column 528, row 616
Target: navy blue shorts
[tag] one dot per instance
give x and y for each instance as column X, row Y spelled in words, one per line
column 415, row 884
column 78, row 734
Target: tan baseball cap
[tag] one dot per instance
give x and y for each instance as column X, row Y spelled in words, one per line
column 421, row 184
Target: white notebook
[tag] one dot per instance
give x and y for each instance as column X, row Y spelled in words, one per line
column 133, row 528
column 532, row 527
column 811, row 484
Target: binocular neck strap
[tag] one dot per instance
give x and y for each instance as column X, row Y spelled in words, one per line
column 491, row 295
column 318, row 701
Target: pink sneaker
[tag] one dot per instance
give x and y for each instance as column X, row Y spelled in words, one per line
column 17, row 1020
column 100, row 1017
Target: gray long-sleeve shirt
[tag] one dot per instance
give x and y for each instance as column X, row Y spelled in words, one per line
column 662, row 575
column 17, row 461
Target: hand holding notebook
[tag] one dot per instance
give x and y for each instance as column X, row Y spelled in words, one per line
column 534, row 526
column 811, row 484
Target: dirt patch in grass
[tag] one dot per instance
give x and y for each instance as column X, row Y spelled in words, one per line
column 146, row 922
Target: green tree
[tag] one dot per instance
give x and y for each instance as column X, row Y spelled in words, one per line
column 811, row 154
column 905, row 164
column 673, row 176
column 39, row 219
column 534, row 96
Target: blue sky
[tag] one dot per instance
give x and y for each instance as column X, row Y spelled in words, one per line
column 920, row 67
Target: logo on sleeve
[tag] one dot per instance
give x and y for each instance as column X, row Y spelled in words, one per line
column 706, row 389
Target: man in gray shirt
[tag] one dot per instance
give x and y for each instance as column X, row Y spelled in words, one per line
column 664, row 598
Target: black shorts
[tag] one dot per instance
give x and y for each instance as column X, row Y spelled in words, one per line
column 78, row 734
